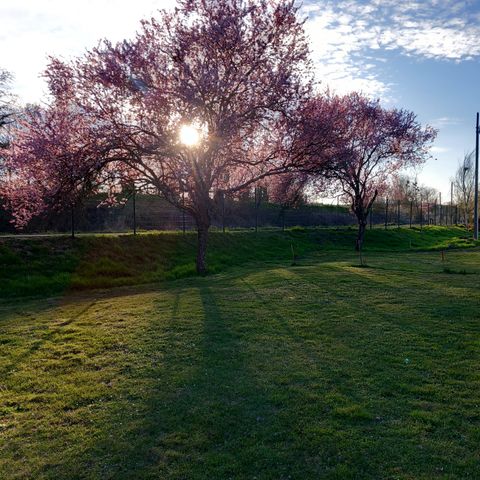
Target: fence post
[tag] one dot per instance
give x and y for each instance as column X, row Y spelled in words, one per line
column 183, row 213
column 223, row 212
column 440, row 207
column 386, row 214
column 256, row 210
column 421, row 213
column 72, row 220
column 134, row 194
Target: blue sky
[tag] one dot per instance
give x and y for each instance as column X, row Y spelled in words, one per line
column 420, row 55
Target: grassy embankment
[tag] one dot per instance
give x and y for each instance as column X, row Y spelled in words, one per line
column 53, row 265
column 320, row 370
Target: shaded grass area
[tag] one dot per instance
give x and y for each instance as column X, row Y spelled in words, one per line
column 49, row 266
column 323, row 370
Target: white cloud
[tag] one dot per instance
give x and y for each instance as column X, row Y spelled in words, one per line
column 439, row 149
column 445, row 122
column 349, row 37
column 344, row 33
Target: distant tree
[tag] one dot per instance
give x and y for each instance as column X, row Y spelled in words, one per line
column 402, row 187
column 372, row 144
column 7, row 109
column 464, row 186
column 287, row 190
column 201, row 102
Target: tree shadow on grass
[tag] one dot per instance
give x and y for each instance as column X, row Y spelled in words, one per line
column 190, row 409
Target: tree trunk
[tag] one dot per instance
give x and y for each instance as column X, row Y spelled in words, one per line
column 202, row 233
column 362, row 226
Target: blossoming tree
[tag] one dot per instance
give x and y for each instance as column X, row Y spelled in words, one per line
column 202, row 101
column 369, row 144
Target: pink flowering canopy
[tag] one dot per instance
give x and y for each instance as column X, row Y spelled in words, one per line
column 369, row 145
column 235, row 71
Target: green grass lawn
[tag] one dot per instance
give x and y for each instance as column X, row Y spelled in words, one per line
column 322, row 370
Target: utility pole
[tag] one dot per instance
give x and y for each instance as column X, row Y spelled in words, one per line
column 475, row 216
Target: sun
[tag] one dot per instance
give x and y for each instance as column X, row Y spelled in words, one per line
column 189, row 135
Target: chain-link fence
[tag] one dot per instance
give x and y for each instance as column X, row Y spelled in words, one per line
column 151, row 212
column 390, row 212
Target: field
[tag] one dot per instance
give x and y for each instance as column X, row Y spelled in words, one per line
column 272, row 367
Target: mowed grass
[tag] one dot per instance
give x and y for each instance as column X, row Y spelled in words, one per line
column 318, row 371
column 53, row 265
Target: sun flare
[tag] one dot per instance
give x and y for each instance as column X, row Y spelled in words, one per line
column 189, row 135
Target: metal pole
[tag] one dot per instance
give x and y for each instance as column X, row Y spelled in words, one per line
column 338, row 211
column 256, row 210
column 386, row 213
column 183, row 212
column 451, row 203
column 223, row 212
column 421, row 212
column 72, row 214
column 398, row 213
column 134, row 195
column 475, row 216
column 440, row 205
